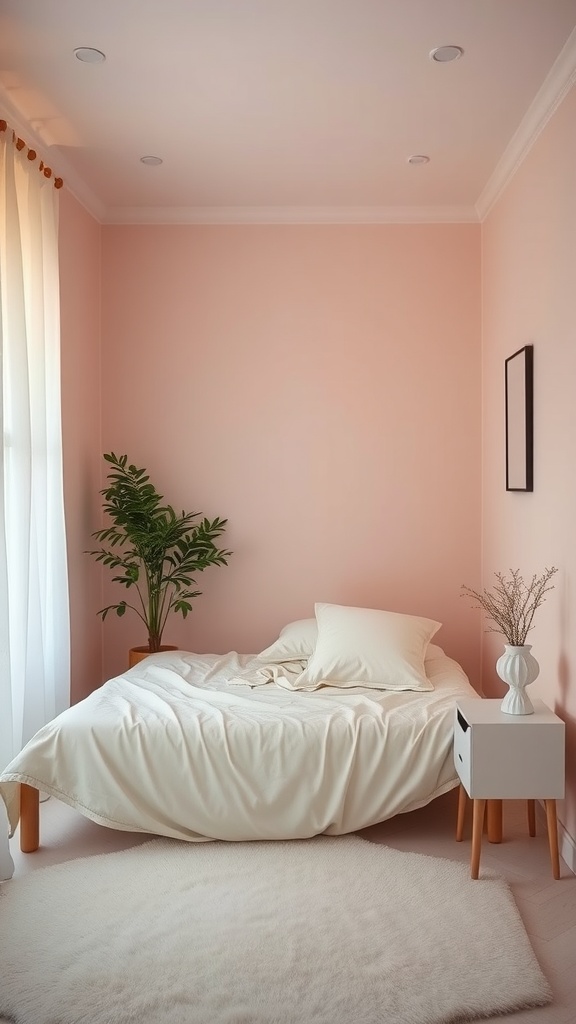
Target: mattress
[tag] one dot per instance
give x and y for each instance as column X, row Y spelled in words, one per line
column 176, row 747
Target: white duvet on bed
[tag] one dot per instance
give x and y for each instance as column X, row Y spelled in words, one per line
column 175, row 747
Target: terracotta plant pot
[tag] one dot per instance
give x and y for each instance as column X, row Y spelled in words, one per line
column 136, row 654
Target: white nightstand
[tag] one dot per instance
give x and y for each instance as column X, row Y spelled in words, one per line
column 508, row 757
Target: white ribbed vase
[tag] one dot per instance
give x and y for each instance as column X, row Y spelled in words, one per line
column 518, row 668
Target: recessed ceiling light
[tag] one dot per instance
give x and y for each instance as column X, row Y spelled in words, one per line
column 151, row 161
column 88, row 55
column 418, row 158
column 444, row 54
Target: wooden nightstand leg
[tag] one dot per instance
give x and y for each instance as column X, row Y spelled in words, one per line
column 462, row 795
column 494, row 815
column 477, row 823
column 29, row 818
column 531, row 805
column 553, row 837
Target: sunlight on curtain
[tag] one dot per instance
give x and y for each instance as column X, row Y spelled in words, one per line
column 34, row 612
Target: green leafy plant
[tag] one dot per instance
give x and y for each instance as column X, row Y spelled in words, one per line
column 157, row 552
column 511, row 603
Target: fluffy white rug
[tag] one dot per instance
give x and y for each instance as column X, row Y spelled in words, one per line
column 318, row 931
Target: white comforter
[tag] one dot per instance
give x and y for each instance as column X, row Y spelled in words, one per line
column 176, row 747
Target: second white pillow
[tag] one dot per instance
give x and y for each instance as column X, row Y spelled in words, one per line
column 295, row 643
column 368, row 647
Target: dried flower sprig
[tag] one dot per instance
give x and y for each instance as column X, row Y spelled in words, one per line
column 511, row 603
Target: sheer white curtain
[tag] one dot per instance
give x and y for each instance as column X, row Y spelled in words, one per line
column 34, row 612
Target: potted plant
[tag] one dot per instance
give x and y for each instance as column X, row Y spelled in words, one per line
column 156, row 551
column 511, row 605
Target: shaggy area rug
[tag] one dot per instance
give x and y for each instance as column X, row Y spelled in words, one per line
column 318, row 931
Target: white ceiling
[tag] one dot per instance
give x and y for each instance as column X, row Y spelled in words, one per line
column 284, row 109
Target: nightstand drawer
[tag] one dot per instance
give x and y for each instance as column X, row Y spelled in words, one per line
column 462, row 752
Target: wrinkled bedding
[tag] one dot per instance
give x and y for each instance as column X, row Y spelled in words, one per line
column 179, row 747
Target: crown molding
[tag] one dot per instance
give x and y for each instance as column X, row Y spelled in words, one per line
column 556, row 85
column 52, row 156
column 80, row 190
column 291, row 215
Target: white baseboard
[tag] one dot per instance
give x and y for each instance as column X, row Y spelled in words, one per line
column 567, row 845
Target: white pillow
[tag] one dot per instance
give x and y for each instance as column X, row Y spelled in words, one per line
column 296, row 642
column 367, row 647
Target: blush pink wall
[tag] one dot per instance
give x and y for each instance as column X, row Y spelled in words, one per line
column 320, row 387
column 80, row 357
column 529, row 290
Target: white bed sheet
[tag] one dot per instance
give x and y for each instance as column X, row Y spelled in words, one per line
column 174, row 747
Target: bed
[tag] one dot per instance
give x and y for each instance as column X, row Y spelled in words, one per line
column 244, row 747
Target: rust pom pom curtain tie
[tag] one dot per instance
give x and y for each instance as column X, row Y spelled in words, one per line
column 31, row 154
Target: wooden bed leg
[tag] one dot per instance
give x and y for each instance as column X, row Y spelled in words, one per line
column 29, row 818
column 531, row 806
column 461, row 814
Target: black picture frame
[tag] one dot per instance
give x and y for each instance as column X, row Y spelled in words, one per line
column 519, row 392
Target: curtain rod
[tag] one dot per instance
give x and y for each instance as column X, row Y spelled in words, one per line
column 31, row 154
